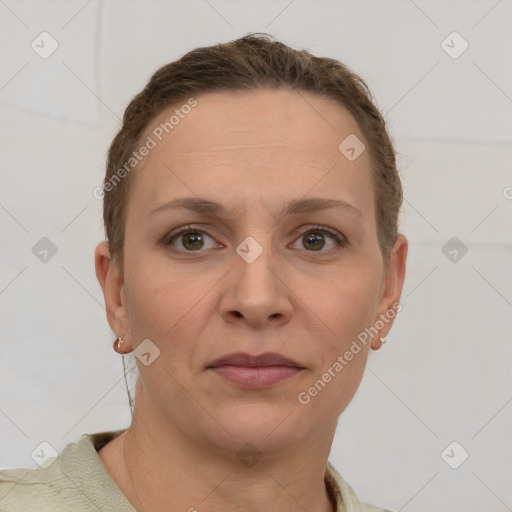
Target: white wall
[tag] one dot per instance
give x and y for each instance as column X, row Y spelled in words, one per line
column 445, row 373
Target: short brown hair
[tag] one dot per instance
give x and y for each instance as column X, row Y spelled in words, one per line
column 252, row 62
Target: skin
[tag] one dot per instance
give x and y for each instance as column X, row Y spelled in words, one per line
column 252, row 152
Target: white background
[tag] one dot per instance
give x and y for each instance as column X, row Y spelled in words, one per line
column 444, row 375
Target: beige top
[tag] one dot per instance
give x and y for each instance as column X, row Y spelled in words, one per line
column 77, row 480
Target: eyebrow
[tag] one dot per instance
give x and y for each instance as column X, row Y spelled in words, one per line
column 296, row 207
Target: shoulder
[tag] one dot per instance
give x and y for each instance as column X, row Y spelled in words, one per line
column 367, row 507
column 24, row 489
column 344, row 496
column 74, row 480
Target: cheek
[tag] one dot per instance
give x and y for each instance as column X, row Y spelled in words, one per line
column 346, row 307
column 166, row 306
column 347, row 304
column 154, row 300
column 342, row 354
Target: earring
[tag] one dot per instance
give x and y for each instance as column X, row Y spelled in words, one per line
column 117, row 344
column 383, row 340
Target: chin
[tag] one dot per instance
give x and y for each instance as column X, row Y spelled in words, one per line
column 268, row 426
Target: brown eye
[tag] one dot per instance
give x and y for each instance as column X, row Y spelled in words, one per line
column 191, row 239
column 314, row 239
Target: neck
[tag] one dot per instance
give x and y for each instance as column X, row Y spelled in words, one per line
column 159, row 468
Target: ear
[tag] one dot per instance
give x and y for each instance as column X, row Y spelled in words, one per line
column 393, row 284
column 112, row 284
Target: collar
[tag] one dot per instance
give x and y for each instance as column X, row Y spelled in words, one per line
column 82, row 457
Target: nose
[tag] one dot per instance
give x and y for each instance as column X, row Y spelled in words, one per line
column 256, row 289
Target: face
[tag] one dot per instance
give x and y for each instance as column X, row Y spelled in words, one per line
column 262, row 267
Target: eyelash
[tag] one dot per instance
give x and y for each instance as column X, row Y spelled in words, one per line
column 340, row 240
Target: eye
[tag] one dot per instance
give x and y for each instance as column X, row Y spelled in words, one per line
column 192, row 239
column 314, row 238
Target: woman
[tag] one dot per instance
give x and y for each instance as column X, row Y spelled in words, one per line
column 251, row 261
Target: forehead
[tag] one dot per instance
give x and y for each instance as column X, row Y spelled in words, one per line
column 262, row 115
column 264, row 140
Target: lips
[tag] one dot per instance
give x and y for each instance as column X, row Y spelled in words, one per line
column 255, row 372
column 242, row 359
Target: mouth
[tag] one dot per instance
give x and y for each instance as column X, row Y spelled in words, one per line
column 255, row 372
